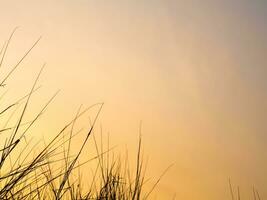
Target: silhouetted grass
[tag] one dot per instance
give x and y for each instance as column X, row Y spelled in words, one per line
column 30, row 171
column 237, row 195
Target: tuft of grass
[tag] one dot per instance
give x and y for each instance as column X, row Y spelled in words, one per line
column 33, row 171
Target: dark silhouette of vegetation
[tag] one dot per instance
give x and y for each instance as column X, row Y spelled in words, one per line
column 237, row 196
column 30, row 172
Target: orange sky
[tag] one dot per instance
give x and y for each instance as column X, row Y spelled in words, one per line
column 193, row 71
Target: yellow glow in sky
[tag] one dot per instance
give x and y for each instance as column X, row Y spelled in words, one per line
column 193, row 71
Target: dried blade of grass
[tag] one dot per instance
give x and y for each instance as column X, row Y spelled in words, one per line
column 39, row 114
column 16, row 103
column 231, row 190
column 66, row 175
column 138, row 169
column 19, row 62
column 254, row 194
column 5, row 46
column 152, row 189
column 258, row 195
column 25, row 106
column 99, row 159
column 68, row 152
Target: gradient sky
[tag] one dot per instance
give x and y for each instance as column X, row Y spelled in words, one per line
column 193, row 71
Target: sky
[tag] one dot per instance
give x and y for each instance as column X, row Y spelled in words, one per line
column 194, row 72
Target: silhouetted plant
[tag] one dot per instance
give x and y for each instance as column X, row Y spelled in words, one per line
column 28, row 172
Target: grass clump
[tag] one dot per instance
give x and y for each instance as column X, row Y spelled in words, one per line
column 50, row 171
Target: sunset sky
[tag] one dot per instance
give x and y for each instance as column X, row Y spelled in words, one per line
column 193, row 71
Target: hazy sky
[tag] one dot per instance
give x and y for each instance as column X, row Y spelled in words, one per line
column 193, row 71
